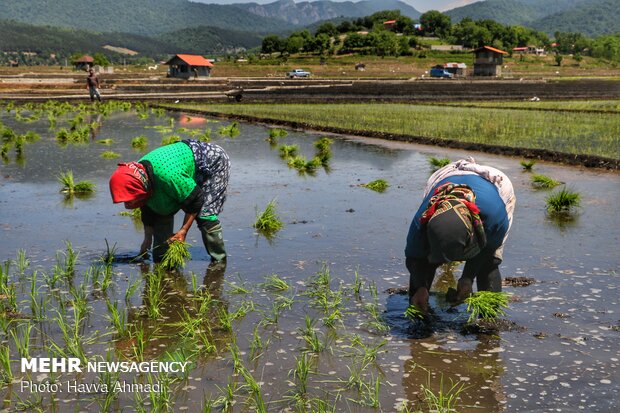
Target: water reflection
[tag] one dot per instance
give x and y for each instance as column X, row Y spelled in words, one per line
column 471, row 370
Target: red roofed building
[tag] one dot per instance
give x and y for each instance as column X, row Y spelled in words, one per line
column 186, row 66
column 389, row 24
column 84, row 63
column 488, row 61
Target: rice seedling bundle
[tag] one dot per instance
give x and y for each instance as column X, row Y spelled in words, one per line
column 378, row 185
column 527, row 165
column 414, row 313
column 268, row 221
column 544, row 182
column 438, row 163
column 563, row 200
column 110, row 155
column 176, row 256
column 486, row 305
column 139, row 142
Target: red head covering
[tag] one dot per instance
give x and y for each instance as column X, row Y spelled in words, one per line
column 128, row 182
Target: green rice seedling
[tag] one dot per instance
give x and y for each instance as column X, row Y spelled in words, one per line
column 544, row 182
column 22, row 262
column 170, row 139
column 311, row 337
column 140, row 142
column 179, row 356
column 274, row 283
column 205, row 136
column 70, row 187
column 288, row 151
column 257, row 345
column 563, row 201
column 268, row 222
column 139, row 340
column 134, row 213
column 231, row 130
column 528, row 165
column 438, row 163
column 74, row 340
column 239, row 288
column 110, row 155
column 71, row 257
column 358, row 284
column 154, row 293
column 252, row 385
column 323, row 144
column 378, row 185
column 332, row 319
column 161, row 401
column 369, row 393
column 445, row 400
column 6, row 373
column 118, row 319
column 276, row 133
column 131, row 290
column 301, row 375
column 414, row 313
column 176, row 255
column 297, row 162
column 227, row 400
column 486, row 305
column 105, row 141
column 21, row 339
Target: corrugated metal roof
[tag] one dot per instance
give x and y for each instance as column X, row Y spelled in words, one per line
column 456, row 65
column 192, row 60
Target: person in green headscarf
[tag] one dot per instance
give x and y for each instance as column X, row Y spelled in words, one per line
column 465, row 216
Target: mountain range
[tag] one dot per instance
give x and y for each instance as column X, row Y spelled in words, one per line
column 175, row 26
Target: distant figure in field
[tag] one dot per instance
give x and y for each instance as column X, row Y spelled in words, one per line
column 92, row 84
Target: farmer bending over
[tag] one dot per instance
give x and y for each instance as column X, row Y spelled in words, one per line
column 465, row 216
column 188, row 175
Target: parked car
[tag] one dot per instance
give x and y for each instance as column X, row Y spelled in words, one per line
column 439, row 72
column 298, row 73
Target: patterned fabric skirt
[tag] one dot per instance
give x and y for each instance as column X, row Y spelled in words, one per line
column 212, row 173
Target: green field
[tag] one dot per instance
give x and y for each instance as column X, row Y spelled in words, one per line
column 572, row 132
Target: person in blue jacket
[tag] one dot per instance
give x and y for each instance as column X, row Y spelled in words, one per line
column 465, row 216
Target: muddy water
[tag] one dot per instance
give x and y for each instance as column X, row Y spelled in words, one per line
column 562, row 353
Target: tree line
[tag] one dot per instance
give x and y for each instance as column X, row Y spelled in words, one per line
column 369, row 35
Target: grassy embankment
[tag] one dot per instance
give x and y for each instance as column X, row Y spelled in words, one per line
column 571, row 132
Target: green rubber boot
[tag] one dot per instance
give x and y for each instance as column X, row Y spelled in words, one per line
column 213, row 239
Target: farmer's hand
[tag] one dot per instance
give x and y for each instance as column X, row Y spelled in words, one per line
column 148, row 239
column 179, row 236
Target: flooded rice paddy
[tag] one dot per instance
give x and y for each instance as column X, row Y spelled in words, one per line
column 306, row 320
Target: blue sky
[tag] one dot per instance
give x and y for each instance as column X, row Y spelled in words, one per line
column 420, row 5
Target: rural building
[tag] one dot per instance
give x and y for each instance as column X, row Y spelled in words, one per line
column 447, row 47
column 538, row 51
column 457, row 69
column 187, row 66
column 389, row 24
column 84, row 63
column 488, row 61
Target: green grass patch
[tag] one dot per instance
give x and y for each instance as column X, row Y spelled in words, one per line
column 566, row 132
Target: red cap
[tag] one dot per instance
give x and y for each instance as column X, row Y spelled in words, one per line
column 128, row 182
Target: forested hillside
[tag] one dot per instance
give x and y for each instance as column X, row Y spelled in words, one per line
column 593, row 18
column 16, row 36
column 145, row 17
